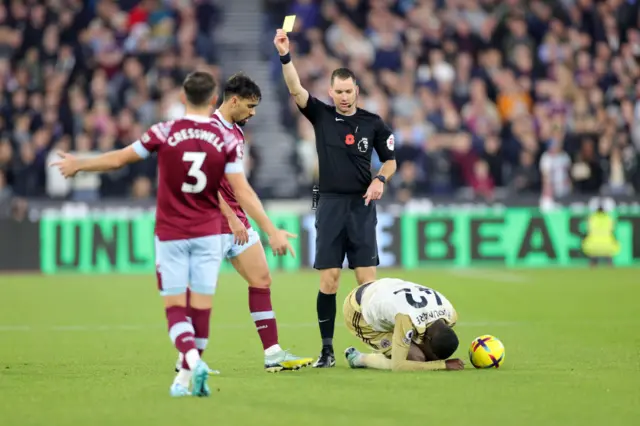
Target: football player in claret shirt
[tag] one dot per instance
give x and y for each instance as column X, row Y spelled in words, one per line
column 194, row 156
column 241, row 97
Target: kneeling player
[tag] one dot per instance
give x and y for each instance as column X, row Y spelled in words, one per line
column 409, row 325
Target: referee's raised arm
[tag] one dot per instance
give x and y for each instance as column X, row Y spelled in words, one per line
column 291, row 78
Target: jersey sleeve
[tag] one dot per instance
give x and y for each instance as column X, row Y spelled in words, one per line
column 403, row 335
column 384, row 142
column 235, row 155
column 313, row 110
column 152, row 139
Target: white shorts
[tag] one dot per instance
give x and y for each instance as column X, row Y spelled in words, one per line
column 195, row 263
column 237, row 249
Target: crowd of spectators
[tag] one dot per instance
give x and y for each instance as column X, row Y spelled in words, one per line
column 487, row 98
column 88, row 77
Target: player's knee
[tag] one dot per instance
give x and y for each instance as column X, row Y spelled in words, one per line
column 262, row 280
column 329, row 281
column 200, row 301
column 175, row 300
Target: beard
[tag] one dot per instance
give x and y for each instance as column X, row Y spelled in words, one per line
column 243, row 121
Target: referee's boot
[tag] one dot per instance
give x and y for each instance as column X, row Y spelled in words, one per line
column 326, row 359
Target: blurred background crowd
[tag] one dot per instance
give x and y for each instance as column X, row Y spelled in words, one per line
column 485, row 95
column 88, row 77
column 487, row 98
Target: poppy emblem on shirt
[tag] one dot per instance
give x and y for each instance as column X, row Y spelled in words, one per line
column 350, row 139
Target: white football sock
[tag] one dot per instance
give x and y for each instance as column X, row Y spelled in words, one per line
column 183, row 378
column 272, row 350
column 192, row 357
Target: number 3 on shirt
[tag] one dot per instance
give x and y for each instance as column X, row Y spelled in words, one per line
column 195, row 171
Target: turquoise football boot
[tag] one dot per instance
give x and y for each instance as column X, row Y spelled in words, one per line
column 353, row 357
column 199, row 386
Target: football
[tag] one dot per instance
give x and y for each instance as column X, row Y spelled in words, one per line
column 486, row 352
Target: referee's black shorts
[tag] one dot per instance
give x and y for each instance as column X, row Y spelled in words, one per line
column 345, row 226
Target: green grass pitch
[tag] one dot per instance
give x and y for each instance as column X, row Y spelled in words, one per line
column 93, row 350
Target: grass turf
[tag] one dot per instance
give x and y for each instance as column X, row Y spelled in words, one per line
column 94, row 350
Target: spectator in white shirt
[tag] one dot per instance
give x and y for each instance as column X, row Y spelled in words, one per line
column 554, row 168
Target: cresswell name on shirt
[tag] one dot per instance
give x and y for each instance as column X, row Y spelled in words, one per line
column 189, row 134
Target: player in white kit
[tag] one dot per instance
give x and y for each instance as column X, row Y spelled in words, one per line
column 406, row 323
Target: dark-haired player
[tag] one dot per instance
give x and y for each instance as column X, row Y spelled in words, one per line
column 346, row 213
column 241, row 97
column 409, row 325
column 193, row 158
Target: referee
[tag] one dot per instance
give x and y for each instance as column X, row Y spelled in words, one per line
column 346, row 214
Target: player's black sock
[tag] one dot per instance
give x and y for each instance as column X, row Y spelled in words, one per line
column 326, row 307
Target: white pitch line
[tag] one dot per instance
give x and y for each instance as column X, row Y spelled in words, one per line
column 145, row 327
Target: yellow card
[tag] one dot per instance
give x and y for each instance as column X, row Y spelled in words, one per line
column 288, row 23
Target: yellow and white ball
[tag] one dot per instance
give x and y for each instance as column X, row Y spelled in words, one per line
column 486, row 352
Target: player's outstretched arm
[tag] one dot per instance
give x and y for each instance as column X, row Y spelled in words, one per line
column 69, row 165
column 291, row 77
column 402, row 334
column 380, row 362
column 249, row 201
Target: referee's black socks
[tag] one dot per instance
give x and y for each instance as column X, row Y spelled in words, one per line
column 326, row 307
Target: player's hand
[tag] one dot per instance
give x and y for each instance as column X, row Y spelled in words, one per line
column 240, row 233
column 454, row 364
column 280, row 244
column 68, row 164
column 281, row 42
column 374, row 192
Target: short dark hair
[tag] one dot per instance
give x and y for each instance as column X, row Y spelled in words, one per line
column 242, row 86
column 343, row 74
column 199, row 88
column 443, row 339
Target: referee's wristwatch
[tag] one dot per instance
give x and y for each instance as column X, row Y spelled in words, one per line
column 381, row 178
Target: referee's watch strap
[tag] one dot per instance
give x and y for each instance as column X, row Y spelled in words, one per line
column 285, row 59
column 381, row 178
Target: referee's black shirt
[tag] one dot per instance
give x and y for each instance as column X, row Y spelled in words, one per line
column 344, row 144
